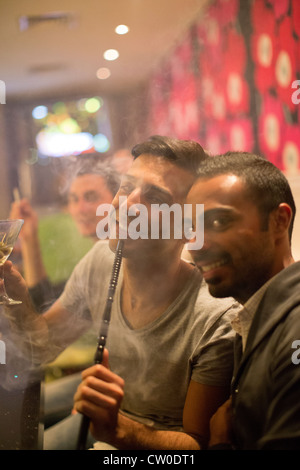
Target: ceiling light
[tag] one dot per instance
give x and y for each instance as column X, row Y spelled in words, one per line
column 122, row 29
column 111, row 54
column 103, row 73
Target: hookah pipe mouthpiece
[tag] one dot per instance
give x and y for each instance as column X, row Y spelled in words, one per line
column 85, row 422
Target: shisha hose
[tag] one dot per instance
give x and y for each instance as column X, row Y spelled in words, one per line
column 85, row 422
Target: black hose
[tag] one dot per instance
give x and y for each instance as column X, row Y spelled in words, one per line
column 85, row 421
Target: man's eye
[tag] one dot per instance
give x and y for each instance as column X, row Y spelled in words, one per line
column 126, row 188
column 92, row 197
column 219, row 223
column 154, row 199
column 151, row 197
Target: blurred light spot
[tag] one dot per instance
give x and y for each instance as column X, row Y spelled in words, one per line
column 103, row 73
column 111, row 54
column 69, row 126
column 59, row 108
column 101, row 143
column 122, row 29
column 54, row 144
column 39, row 112
column 92, row 105
column 81, row 104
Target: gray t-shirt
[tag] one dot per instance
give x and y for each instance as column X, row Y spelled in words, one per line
column 192, row 339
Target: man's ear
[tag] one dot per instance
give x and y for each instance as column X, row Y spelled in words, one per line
column 281, row 219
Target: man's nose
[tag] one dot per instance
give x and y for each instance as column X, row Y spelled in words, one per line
column 132, row 199
column 81, row 206
column 205, row 245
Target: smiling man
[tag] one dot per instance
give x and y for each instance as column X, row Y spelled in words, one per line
column 91, row 183
column 87, row 192
column 248, row 219
column 170, row 343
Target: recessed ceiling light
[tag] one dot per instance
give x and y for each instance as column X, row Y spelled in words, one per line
column 111, row 54
column 122, row 29
column 103, row 73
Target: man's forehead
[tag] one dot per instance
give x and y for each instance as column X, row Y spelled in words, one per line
column 88, row 180
column 160, row 168
column 229, row 186
column 156, row 163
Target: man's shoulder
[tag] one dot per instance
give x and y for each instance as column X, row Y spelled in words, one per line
column 282, row 297
column 97, row 261
column 100, row 251
column 102, row 246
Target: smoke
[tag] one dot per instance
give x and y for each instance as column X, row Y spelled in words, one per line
column 17, row 371
column 68, row 168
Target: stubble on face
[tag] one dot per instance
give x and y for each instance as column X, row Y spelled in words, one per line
column 238, row 254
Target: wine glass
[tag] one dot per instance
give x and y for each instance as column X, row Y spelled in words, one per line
column 9, row 232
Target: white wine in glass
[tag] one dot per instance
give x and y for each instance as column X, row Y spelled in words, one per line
column 9, row 232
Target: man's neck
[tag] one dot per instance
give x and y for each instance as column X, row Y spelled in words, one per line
column 149, row 287
column 281, row 264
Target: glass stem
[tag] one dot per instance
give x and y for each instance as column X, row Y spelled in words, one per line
column 3, row 293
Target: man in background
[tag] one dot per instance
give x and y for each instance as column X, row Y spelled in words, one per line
column 89, row 182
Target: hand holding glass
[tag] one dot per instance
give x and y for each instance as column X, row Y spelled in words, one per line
column 9, row 232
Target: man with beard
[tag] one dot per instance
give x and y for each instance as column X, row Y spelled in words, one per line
column 248, row 219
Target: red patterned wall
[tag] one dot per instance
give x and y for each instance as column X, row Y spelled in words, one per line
column 231, row 82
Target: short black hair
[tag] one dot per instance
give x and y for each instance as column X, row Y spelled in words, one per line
column 187, row 154
column 266, row 185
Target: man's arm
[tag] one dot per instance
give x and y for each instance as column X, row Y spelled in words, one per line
column 201, row 403
column 221, row 427
column 42, row 337
column 100, row 395
column 34, row 269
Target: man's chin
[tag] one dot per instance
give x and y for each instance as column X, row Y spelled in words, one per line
column 113, row 243
column 218, row 290
column 87, row 233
